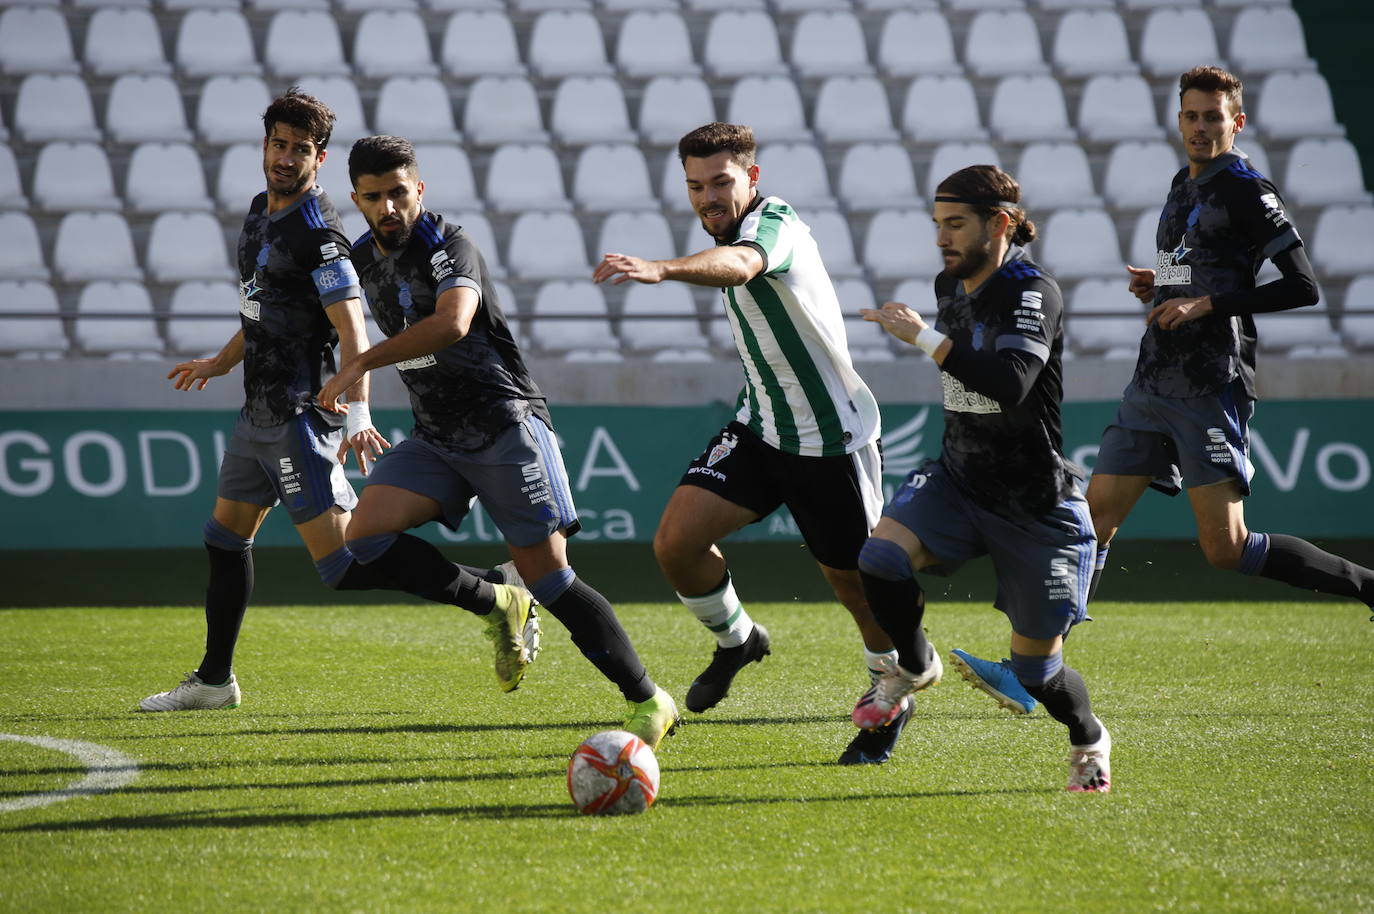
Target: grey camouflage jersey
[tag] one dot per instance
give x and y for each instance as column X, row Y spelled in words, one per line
column 292, row 265
column 467, row 393
column 1008, row 458
column 1215, row 231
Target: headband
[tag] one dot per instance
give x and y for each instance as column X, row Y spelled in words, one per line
column 976, row 201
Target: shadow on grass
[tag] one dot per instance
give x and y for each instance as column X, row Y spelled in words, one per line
column 230, row 818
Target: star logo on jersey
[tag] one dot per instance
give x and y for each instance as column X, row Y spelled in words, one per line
column 1169, row 267
column 1182, row 250
column 249, row 307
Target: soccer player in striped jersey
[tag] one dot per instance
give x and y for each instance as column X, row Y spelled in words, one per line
column 482, row 426
column 1183, row 418
column 806, row 431
column 301, row 316
column 1001, row 486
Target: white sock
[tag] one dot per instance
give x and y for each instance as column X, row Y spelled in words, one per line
column 879, row 662
column 722, row 612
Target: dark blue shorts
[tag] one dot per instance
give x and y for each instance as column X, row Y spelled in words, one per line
column 520, row 479
column 1043, row 567
column 1178, row 441
column 294, row 464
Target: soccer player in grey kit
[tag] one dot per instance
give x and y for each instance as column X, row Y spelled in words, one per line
column 1001, row 486
column 299, row 303
column 482, row 425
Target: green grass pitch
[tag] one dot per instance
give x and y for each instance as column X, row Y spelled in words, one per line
column 375, row 766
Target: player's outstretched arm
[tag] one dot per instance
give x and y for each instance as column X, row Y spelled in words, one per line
column 720, row 267
column 360, row 436
column 907, row 325
column 197, row 372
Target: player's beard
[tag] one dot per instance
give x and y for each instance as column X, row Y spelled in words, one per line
column 295, row 187
column 971, row 261
column 395, row 238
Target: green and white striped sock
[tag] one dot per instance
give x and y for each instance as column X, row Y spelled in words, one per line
column 722, row 612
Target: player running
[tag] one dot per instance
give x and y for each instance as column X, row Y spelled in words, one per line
column 1001, row 486
column 806, row 432
column 482, row 425
column 299, row 304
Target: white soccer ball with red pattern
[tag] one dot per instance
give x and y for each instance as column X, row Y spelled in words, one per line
column 612, row 773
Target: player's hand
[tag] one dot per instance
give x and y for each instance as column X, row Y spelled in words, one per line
column 1178, row 311
column 1142, row 283
column 334, row 388
column 194, row 373
column 620, row 267
column 367, row 445
column 897, row 319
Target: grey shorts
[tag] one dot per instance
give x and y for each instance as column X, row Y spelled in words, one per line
column 520, row 479
column 294, row 464
column 1043, row 567
column 1193, row 441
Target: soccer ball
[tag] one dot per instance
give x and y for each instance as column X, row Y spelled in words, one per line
column 613, row 772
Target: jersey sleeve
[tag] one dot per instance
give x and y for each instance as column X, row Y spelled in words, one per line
column 772, row 231
column 1257, row 212
column 1033, row 318
column 455, row 262
column 326, row 255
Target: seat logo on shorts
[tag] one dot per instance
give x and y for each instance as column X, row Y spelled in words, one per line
column 721, row 450
column 531, row 472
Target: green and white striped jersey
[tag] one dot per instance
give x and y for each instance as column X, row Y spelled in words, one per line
column 801, row 393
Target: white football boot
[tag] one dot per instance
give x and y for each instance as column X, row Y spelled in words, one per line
column 195, row 695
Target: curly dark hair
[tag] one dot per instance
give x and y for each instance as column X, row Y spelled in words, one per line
column 1214, row 79
column 304, row 112
column 988, row 182
column 377, row 155
column 707, row 140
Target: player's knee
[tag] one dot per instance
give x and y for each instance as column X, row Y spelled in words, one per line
column 367, row 549
column 1222, row 553
column 218, row 536
column 882, row 558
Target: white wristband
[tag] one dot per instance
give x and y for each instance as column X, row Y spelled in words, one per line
column 929, row 339
column 358, row 417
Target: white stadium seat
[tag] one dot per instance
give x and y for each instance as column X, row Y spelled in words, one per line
column 581, row 296
column 829, row 43
column 771, row 105
column 341, row 94
column 742, row 43
column 1176, row 39
column 124, row 40
column 1322, row 172
column 548, row 245
column 35, row 39
column 21, row 256
column 450, row 186
column 853, row 109
column 380, row 38
column 877, row 175
column 673, row 105
column 54, row 107
column 1358, row 329
column 1116, row 331
column 41, row 336
column 1054, row 175
column 1003, row 42
column 673, row 184
column 901, row 244
column 525, row 176
column 1303, row 333
column 1026, row 108
column 1119, row 107
column 611, row 176
column 230, row 110
column 1080, row 243
column 568, row 43
column 215, row 41
column 1143, row 247
column 1340, row 241
column 1139, row 173
column 1268, row 38
column 239, row 178
column 796, row 173
column 478, row 228
column 641, row 330
column 655, row 43
column 11, row 189
column 916, row 42
column 637, row 232
column 481, row 42
column 1295, row 105
column 416, row 107
column 145, row 108
column 116, row 335
column 305, row 41
column 830, row 229
column 942, row 108
column 503, row 109
column 72, row 176
column 590, row 109
column 950, row 157
column 166, row 176
column 204, row 316
column 184, row 246
column 1091, row 41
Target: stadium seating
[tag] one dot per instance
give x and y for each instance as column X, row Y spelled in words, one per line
column 772, row 105
column 1302, row 333
column 71, row 176
column 416, row 107
column 126, row 336
column 166, row 176
column 1324, row 171
column 1176, row 38
column 123, row 40
column 35, row 39
column 852, row 109
column 915, row 42
column 11, row 189
column 1118, row 107
column 941, row 108
column 230, row 110
column 27, row 336
column 481, row 42
column 877, row 175
column 796, row 173
column 548, row 246
column 590, row 109
column 643, row 234
column 1003, row 43
column 350, row 123
column 146, row 108
column 500, row 109
column 205, row 316
column 1103, row 318
column 901, row 244
column 378, row 42
column 1091, row 41
column 655, row 43
column 1340, row 240
column 583, row 338
column 612, row 176
column 1268, row 38
column 1138, row 173
column 21, row 256
column 1053, row 175
column 54, row 106
column 678, row 337
column 671, row 106
column 525, row 176
column 950, row 157
column 829, row 43
column 568, row 43
column 288, row 57
column 1080, row 243
column 1027, row 108
column 215, row 42
column 1358, row 329
column 184, row 246
column 1295, row 105
column 742, row 43
column 831, row 231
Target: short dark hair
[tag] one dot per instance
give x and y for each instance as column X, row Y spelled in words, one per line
column 304, row 112
column 707, row 140
column 377, row 155
column 990, row 183
column 1214, row 79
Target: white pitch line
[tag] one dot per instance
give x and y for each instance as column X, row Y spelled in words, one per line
column 107, row 769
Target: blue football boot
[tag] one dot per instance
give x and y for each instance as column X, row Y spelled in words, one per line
column 996, row 679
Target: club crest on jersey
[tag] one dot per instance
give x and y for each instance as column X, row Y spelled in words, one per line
column 721, row 450
column 1169, row 267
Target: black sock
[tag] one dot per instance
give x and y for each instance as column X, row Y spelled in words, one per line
column 418, row 567
column 1299, row 563
column 596, row 631
column 226, row 600
column 1065, row 697
column 490, row 575
column 899, row 607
